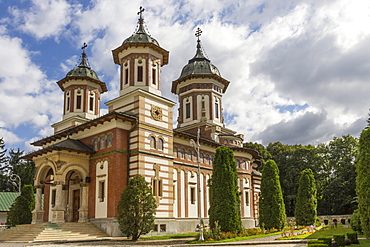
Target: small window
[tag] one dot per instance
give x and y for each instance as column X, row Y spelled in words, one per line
column 154, row 76
column 247, row 198
column 216, row 110
column 182, row 154
column 187, row 110
column 207, row 159
column 201, row 158
column 237, row 163
column 79, row 102
column 140, row 73
column 110, row 140
column 91, row 103
column 160, row 144
column 102, row 142
column 176, row 152
column 53, row 197
column 101, row 191
column 68, row 103
column 162, row 227
column 152, row 142
column 155, row 229
column 96, row 144
column 126, row 76
column 190, row 155
column 192, row 195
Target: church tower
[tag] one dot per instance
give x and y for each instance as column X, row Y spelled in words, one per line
column 82, row 89
column 200, row 88
column 140, row 58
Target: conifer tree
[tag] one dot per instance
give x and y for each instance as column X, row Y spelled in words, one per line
column 136, row 208
column 3, row 167
column 271, row 204
column 363, row 181
column 224, row 192
column 306, row 205
column 21, row 210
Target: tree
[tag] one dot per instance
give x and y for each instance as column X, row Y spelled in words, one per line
column 23, row 168
column 363, row 181
column 306, row 205
column 340, row 185
column 271, row 203
column 21, row 210
column 261, row 151
column 3, row 168
column 224, row 192
column 136, row 208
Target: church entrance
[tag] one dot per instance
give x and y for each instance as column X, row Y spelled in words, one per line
column 76, row 205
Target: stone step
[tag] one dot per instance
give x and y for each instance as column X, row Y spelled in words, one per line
column 52, row 232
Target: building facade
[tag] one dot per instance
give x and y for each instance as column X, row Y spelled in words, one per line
column 83, row 168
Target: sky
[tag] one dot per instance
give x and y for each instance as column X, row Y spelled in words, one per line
column 299, row 70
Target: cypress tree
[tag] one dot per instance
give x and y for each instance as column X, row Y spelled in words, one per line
column 21, row 210
column 271, row 203
column 136, row 208
column 306, row 205
column 363, row 181
column 224, row 192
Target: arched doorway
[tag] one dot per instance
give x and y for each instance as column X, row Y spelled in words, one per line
column 73, row 200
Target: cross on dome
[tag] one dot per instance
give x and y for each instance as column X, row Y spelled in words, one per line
column 198, row 33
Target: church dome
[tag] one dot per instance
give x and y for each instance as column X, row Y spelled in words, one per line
column 199, row 65
column 141, row 37
column 83, row 70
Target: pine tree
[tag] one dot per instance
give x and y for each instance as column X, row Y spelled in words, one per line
column 3, row 167
column 23, row 168
column 136, row 208
column 21, row 210
column 271, row 203
column 306, row 205
column 363, row 181
column 224, row 192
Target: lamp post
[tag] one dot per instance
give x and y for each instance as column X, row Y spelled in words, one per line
column 13, row 178
column 196, row 146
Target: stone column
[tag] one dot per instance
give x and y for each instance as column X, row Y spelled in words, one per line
column 83, row 211
column 38, row 213
column 58, row 211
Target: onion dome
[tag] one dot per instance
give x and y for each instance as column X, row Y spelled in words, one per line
column 83, row 71
column 140, row 39
column 199, row 65
column 141, row 36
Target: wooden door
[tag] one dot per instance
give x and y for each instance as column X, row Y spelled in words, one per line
column 76, row 205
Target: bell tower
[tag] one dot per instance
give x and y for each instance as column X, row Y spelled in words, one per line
column 140, row 58
column 82, row 89
column 200, row 88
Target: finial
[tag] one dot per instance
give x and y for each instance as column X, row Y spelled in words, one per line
column 198, row 33
column 141, row 11
column 141, row 20
column 84, row 57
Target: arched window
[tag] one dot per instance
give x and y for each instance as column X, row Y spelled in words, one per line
column 207, row 159
column 237, row 163
column 160, row 144
column 102, row 142
column 190, row 155
column 211, row 160
column 110, row 140
column 152, row 142
column 182, row 154
column 201, row 158
column 176, row 152
column 96, row 144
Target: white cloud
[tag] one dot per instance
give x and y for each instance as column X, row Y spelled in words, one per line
column 45, row 18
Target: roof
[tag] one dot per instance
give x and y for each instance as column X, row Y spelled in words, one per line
column 83, row 71
column 7, row 199
column 68, row 145
column 199, row 66
column 92, row 123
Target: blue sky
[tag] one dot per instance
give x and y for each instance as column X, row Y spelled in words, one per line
column 298, row 69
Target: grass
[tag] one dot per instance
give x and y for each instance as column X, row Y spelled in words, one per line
column 234, row 239
column 186, row 235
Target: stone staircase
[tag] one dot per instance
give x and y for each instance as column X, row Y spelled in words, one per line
column 69, row 231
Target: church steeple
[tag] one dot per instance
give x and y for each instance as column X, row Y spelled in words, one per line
column 140, row 58
column 82, row 89
column 200, row 88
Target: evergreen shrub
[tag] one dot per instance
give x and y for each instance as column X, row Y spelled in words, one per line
column 317, row 245
column 343, row 221
column 356, row 221
column 327, row 240
column 353, row 237
column 326, row 222
column 339, row 239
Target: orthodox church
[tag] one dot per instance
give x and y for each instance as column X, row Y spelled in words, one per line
column 82, row 169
